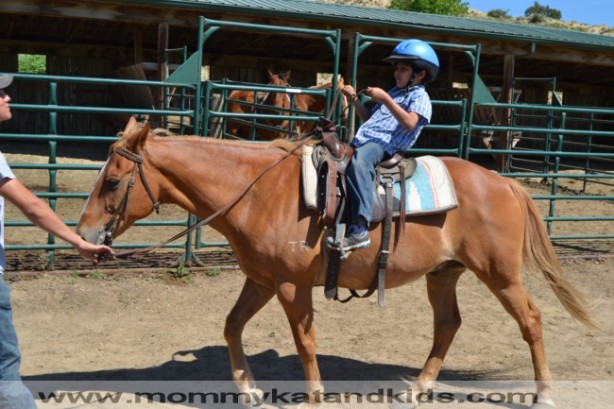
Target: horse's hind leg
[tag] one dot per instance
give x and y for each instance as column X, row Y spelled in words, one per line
column 252, row 298
column 508, row 288
column 441, row 288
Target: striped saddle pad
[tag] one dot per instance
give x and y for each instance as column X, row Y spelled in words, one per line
column 428, row 190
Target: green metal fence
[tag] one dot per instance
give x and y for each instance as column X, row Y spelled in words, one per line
column 565, row 150
column 53, row 137
column 568, row 143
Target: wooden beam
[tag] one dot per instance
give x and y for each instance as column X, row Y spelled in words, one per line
column 138, row 44
column 75, row 50
column 161, row 73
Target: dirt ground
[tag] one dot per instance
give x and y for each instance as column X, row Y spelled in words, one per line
column 91, row 325
column 135, row 327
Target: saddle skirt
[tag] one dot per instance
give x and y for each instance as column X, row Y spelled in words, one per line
column 428, row 190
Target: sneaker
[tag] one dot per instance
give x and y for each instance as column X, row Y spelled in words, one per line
column 356, row 241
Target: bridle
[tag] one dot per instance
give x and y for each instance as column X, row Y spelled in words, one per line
column 106, row 236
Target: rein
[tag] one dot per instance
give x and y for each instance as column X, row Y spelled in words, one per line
column 137, row 159
column 109, row 228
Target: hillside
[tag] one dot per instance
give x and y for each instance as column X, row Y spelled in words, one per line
column 568, row 25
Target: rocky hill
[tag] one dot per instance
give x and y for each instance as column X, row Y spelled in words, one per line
column 569, row 25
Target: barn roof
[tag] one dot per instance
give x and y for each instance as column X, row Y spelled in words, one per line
column 306, row 9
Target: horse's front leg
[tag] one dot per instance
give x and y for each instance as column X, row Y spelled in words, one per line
column 252, row 298
column 298, row 306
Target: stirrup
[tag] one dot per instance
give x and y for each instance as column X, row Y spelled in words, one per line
column 337, row 241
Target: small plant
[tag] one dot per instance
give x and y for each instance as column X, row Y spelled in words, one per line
column 96, row 275
column 214, row 272
column 180, row 271
column 73, row 277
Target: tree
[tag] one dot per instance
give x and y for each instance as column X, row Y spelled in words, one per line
column 498, row 13
column 32, row 63
column 444, row 7
column 543, row 11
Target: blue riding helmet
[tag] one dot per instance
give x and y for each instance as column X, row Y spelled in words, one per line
column 419, row 54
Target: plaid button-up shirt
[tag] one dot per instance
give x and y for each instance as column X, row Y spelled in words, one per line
column 383, row 128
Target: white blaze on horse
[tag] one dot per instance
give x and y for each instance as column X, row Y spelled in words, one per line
column 495, row 231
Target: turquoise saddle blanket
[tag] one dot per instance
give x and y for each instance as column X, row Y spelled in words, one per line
column 429, row 190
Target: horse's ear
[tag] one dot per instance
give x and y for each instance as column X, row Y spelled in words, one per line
column 131, row 126
column 285, row 75
column 138, row 138
column 271, row 75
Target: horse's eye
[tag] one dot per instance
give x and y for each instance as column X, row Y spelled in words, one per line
column 112, row 184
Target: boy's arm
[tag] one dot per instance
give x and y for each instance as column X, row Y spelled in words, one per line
column 409, row 120
column 39, row 213
column 361, row 110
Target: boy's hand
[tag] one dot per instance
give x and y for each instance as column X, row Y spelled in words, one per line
column 349, row 92
column 377, row 94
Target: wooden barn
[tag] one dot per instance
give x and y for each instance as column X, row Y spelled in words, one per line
column 134, row 39
column 105, row 60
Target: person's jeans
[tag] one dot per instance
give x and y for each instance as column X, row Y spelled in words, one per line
column 360, row 175
column 13, row 393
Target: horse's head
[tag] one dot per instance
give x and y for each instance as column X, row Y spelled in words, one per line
column 282, row 78
column 121, row 194
column 276, row 99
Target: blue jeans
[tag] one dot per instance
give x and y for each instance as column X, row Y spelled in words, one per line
column 13, row 393
column 360, row 175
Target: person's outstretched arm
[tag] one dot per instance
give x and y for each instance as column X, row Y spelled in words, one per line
column 39, row 213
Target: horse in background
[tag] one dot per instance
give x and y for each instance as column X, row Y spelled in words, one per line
column 243, row 102
column 317, row 103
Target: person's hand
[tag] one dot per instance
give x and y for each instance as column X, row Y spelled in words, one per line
column 95, row 252
column 349, row 92
column 376, row 94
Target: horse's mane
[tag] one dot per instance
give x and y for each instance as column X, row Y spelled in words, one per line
column 283, row 144
column 291, row 146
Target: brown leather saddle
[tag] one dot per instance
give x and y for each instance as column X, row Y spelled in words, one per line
column 331, row 159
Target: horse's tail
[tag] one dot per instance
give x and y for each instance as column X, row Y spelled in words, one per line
column 539, row 255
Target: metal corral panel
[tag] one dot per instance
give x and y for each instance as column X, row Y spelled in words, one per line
column 421, row 21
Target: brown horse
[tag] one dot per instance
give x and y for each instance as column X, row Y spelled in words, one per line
column 317, row 103
column 242, row 102
column 495, row 231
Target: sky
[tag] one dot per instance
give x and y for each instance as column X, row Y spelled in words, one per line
column 591, row 12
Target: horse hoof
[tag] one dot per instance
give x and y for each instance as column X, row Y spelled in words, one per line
column 252, row 398
column 310, row 405
column 543, row 406
column 402, row 405
column 403, row 402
